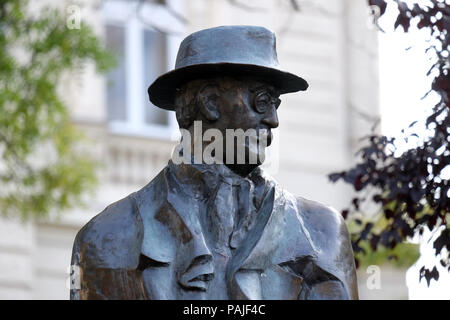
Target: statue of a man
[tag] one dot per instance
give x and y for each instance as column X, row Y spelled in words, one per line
column 220, row 229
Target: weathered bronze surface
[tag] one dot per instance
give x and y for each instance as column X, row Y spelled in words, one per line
column 217, row 231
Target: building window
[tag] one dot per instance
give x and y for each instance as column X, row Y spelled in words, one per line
column 142, row 55
column 155, row 60
column 116, row 79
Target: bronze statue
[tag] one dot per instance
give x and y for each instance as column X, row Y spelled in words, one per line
column 224, row 230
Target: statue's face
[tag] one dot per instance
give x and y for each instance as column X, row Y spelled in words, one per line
column 243, row 104
column 246, row 104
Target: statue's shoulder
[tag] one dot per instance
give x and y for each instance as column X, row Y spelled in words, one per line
column 326, row 227
column 321, row 217
column 113, row 238
column 329, row 235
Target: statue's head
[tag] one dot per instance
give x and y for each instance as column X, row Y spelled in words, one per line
column 228, row 78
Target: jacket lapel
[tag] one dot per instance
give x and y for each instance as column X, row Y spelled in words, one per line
column 259, row 271
column 244, row 284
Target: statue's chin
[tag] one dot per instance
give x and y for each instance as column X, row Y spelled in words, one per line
column 242, row 169
column 252, row 161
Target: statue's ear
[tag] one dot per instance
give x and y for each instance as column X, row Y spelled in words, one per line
column 207, row 100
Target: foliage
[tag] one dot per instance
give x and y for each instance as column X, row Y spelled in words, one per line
column 410, row 189
column 42, row 165
column 402, row 256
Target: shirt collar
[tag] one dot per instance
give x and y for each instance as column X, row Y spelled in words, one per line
column 204, row 178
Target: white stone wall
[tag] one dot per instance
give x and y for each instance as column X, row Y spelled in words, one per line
column 327, row 43
column 16, row 262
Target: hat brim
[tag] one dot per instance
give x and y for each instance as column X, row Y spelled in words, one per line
column 162, row 91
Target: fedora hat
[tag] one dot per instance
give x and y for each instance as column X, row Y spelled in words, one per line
column 225, row 50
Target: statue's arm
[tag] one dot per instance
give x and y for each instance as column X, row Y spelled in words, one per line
column 336, row 273
column 331, row 274
column 325, row 286
column 106, row 254
column 345, row 259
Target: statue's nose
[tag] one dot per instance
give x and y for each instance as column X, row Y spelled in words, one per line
column 271, row 118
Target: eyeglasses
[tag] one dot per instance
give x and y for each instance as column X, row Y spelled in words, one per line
column 263, row 101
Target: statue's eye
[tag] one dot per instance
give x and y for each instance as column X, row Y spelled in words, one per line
column 262, row 102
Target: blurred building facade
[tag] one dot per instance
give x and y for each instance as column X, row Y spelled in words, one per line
column 328, row 43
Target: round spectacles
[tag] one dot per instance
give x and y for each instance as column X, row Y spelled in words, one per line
column 263, row 101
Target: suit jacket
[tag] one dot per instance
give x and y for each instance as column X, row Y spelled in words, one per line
column 202, row 232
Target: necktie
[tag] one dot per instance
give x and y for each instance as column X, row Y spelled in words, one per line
column 232, row 213
column 222, row 215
